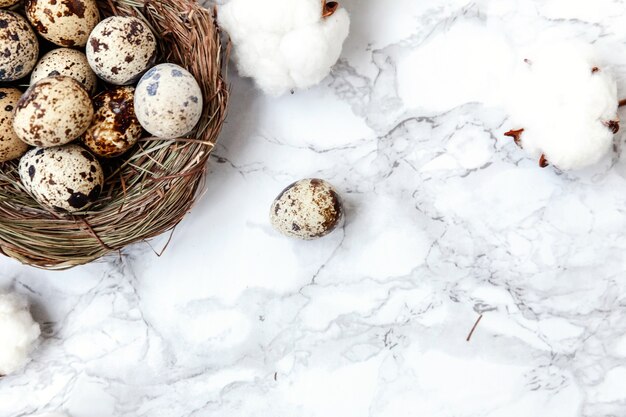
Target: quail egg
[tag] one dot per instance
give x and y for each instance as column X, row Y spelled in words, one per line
column 63, row 178
column 63, row 22
column 18, row 45
column 52, row 112
column 68, row 62
column 121, row 49
column 11, row 147
column 8, row 3
column 115, row 128
column 307, row 209
column 168, row 101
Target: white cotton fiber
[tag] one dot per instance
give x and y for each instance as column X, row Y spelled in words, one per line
column 566, row 103
column 284, row 46
column 18, row 333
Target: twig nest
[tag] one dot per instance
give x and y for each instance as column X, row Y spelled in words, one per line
column 308, row 209
column 115, row 128
column 121, row 49
column 19, row 333
column 65, row 23
column 11, row 147
column 285, row 47
column 63, row 178
column 563, row 106
column 67, row 62
column 52, row 112
column 168, row 101
column 18, row 45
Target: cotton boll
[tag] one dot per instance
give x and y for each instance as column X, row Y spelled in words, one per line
column 284, row 48
column 563, row 105
column 19, row 332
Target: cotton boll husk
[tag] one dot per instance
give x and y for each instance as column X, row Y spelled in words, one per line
column 18, row 333
column 563, row 106
column 287, row 47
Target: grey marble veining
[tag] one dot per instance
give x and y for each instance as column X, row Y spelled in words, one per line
column 446, row 220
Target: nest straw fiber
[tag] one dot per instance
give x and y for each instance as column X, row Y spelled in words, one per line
column 152, row 187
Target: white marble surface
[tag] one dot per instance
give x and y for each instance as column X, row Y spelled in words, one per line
column 445, row 221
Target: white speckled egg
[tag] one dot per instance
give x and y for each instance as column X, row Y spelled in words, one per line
column 65, row 177
column 8, row 3
column 63, row 22
column 168, row 101
column 121, row 49
column 308, row 209
column 52, row 112
column 11, row 147
column 115, row 128
column 67, row 62
column 19, row 47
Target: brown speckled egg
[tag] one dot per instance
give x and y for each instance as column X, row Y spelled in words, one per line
column 8, row 3
column 18, row 47
column 115, row 128
column 68, row 62
column 168, row 101
column 63, row 178
column 11, row 147
column 308, row 209
column 63, row 22
column 52, row 112
column 121, row 49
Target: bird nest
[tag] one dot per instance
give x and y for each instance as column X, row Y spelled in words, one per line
column 151, row 188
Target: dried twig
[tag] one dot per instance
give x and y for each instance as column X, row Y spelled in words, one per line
column 471, row 333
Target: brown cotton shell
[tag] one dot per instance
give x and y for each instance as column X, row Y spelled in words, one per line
column 308, row 209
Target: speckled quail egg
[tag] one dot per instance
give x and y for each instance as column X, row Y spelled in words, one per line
column 52, row 112
column 121, row 49
column 68, row 62
column 63, row 22
column 168, row 101
column 18, row 45
column 307, row 209
column 11, row 147
column 8, row 3
column 115, row 128
column 65, row 177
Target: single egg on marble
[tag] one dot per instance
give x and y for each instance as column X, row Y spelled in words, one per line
column 115, row 128
column 63, row 22
column 19, row 47
column 168, row 101
column 52, row 112
column 121, row 49
column 307, row 209
column 11, row 147
column 66, row 177
column 67, row 62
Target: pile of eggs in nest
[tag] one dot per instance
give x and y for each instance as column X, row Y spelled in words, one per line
column 63, row 126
